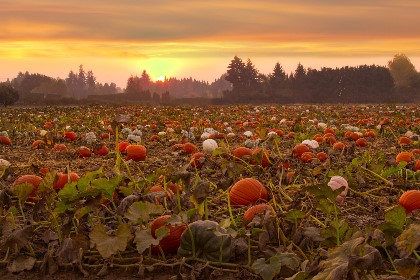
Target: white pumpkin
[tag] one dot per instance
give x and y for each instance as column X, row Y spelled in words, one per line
column 209, row 145
column 337, row 182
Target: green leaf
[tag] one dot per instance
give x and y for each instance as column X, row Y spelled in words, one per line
column 22, row 191
column 46, row 184
column 69, row 192
column 82, row 212
column 217, row 152
column 110, row 245
column 61, row 207
column 144, row 240
column 294, row 215
column 140, row 212
column 393, row 170
column 162, row 232
column 267, row 271
column 325, row 206
column 107, row 187
column 396, row 217
column 83, row 183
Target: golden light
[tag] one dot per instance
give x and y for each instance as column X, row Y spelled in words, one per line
column 160, row 79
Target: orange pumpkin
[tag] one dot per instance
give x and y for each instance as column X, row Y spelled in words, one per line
column 330, row 139
column 339, row 146
column 59, row 148
column 197, row 160
column 415, row 152
column 361, row 142
column 189, row 148
column 403, row 156
column 170, row 243
column 417, row 165
column 240, row 152
column 122, row 146
column 136, row 152
column 410, row 200
column 307, row 157
column 299, row 149
column 247, row 191
column 322, row 156
column 255, row 210
column 83, row 152
column 37, row 144
column 63, row 178
column 404, row 141
column 5, row 140
column 370, row 134
column 70, row 135
column 30, row 179
column 261, row 156
column 101, row 150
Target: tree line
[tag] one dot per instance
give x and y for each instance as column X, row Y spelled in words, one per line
column 399, row 82
column 242, row 83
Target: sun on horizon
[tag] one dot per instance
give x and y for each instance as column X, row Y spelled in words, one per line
column 160, row 79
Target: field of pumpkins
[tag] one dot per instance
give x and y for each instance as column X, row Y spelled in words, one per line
column 253, row 192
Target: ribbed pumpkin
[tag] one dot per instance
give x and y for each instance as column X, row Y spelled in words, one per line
column 5, row 140
column 240, row 152
column 31, row 179
column 62, row 179
column 307, row 157
column 171, row 242
column 339, row 146
column 410, row 200
column 322, row 156
column 136, row 152
column 158, row 188
column 247, row 191
column 403, row 156
column 299, row 149
column 189, row 148
column 255, row 210
column 59, row 148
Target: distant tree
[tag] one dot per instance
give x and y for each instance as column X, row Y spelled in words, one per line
column 235, row 74
column 71, row 83
column 8, row 95
column 90, row 83
column 145, row 81
column 402, row 70
column 251, row 78
column 278, row 82
column 298, row 83
column 81, row 84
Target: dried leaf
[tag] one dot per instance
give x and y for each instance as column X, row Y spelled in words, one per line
column 144, row 240
column 110, row 245
column 407, row 267
column 18, row 239
column 69, row 249
column 21, row 263
column 408, row 241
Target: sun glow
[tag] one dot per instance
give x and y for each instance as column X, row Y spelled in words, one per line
column 160, row 79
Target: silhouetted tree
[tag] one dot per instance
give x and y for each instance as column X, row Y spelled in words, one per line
column 8, row 95
column 402, row 70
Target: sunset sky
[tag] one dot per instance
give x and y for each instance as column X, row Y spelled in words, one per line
column 116, row 39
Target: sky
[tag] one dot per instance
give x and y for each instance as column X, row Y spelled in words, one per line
column 198, row 39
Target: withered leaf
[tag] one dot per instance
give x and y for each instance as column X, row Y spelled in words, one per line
column 21, row 263
column 110, row 245
column 69, row 250
column 408, row 241
column 17, row 239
